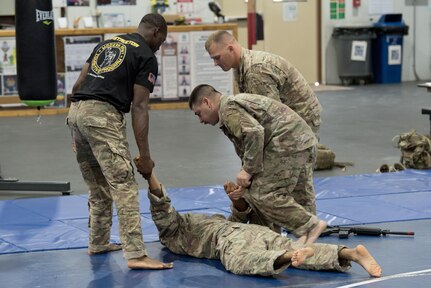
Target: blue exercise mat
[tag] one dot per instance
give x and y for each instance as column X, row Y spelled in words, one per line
column 191, row 198
column 149, row 230
column 56, row 208
column 13, row 214
column 7, row 248
column 42, row 236
column 60, row 222
column 403, row 263
column 373, row 184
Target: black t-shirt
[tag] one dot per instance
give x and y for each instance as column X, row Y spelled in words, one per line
column 115, row 66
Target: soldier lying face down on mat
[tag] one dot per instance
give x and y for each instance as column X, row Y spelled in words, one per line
column 246, row 249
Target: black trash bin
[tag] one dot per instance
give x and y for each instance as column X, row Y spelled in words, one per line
column 387, row 48
column 353, row 48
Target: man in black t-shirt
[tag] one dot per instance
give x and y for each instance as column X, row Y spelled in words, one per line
column 117, row 78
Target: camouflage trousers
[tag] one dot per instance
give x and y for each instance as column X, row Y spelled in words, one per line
column 99, row 136
column 253, row 249
column 283, row 195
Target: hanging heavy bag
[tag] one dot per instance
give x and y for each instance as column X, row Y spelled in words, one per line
column 415, row 150
column 35, row 52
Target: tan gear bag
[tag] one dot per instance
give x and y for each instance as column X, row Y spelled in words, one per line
column 415, row 150
column 326, row 159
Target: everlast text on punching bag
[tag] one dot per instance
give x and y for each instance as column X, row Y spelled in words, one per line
column 35, row 52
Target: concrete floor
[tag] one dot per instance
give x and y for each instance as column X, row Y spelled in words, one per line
column 358, row 124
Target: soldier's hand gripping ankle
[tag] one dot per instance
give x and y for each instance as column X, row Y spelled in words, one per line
column 144, row 166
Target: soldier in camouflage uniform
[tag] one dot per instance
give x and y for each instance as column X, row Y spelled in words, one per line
column 245, row 248
column 276, row 147
column 103, row 93
column 262, row 73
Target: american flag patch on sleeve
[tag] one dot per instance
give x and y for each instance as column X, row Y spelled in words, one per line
column 152, row 78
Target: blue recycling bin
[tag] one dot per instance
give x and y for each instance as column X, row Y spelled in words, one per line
column 388, row 48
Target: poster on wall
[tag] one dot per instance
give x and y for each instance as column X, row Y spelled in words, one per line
column 290, row 12
column 184, row 64
column 195, row 10
column 59, row 3
column 77, row 49
column 185, row 7
column 337, row 9
column 158, row 90
column 203, row 69
column 116, row 2
column 110, row 20
column 78, row 2
column 10, row 85
column 7, row 56
column 169, row 54
column 174, row 59
column 378, row 7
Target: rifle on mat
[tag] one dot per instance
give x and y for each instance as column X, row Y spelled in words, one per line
column 344, row 231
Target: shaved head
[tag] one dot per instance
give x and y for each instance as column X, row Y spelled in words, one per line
column 219, row 37
column 224, row 50
column 200, row 91
column 204, row 102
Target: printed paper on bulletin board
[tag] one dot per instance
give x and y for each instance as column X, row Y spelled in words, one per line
column 378, row 7
column 77, row 49
column 7, row 56
column 203, row 69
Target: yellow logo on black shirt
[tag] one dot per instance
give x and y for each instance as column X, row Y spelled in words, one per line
column 130, row 42
column 108, row 57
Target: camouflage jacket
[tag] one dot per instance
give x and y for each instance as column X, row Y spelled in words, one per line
column 193, row 234
column 270, row 75
column 262, row 129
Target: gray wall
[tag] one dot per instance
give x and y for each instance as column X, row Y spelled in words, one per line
column 134, row 13
column 7, row 7
column 421, row 46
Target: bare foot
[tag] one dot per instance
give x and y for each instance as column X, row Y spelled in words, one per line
column 315, row 232
column 109, row 248
column 364, row 258
column 302, row 239
column 146, row 262
column 299, row 256
column 284, row 259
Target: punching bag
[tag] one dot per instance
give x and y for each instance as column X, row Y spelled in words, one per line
column 35, row 52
